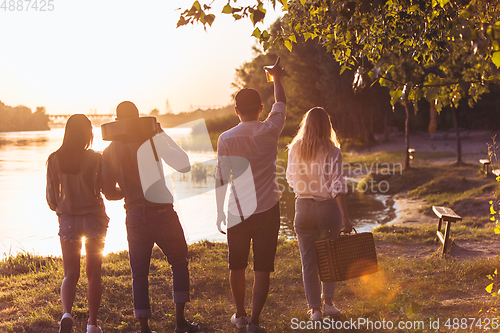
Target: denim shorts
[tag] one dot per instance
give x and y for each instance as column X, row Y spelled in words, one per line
column 74, row 227
column 261, row 228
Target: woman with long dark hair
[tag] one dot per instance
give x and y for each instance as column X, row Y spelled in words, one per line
column 74, row 193
column 315, row 172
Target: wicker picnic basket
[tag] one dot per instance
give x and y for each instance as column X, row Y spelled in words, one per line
column 346, row 257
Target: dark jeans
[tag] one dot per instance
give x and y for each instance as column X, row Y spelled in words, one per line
column 144, row 229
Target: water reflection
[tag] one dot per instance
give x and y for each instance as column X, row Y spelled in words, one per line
column 28, row 225
column 366, row 211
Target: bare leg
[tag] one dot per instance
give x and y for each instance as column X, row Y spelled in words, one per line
column 237, row 280
column 181, row 323
column 259, row 296
column 94, row 249
column 144, row 325
column 71, row 263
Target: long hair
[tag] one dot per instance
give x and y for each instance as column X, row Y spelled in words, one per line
column 78, row 137
column 316, row 135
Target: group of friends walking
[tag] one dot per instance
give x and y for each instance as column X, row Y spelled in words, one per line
column 246, row 167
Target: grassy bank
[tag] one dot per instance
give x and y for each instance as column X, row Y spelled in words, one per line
column 415, row 288
column 464, row 188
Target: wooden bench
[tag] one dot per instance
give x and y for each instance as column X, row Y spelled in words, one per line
column 447, row 215
column 486, row 164
column 411, row 151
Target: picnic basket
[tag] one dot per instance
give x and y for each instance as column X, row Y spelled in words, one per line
column 346, row 257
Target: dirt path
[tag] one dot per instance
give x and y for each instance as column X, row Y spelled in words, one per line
column 474, row 144
column 474, row 147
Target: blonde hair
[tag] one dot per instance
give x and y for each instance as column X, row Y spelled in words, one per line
column 315, row 135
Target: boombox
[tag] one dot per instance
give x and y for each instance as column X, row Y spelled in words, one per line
column 126, row 128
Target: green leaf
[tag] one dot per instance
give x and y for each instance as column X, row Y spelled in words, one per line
column 415, row 307
column 343, row 69
column 256, row 33
column 288, row 45
column 182, row 21
column 413, row 8
column 196, row 5
column 303, row 2
column 443, row 2
column 496, row 58
column 257, row 16
column 285, row 4
column 227, row 9
column 395, row 96
column 266, row 45
column 465, row 14
column 210, row 19
column 489, row 288
column 495, row 45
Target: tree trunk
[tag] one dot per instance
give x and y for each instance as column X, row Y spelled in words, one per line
column 407, row 135
column 457, row 135
column 386, row 127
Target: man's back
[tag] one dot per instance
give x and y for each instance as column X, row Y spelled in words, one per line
column 257, row 142
column 120, row 161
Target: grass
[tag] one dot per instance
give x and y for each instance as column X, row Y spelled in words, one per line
column 414, row 283
column 415, row 289
column 463, row 188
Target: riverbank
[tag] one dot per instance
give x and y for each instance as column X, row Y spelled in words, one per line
column 434, row 180
column 412, row 285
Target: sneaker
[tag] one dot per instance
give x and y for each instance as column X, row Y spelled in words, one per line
column 252, row 328
column 93, row 329
column 240, row 322
column 330, row 310
column 315, row 316
column 66, row 323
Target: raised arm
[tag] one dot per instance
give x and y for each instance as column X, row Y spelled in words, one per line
column 277, row 72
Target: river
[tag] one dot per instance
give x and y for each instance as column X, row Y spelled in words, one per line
column 28, row 225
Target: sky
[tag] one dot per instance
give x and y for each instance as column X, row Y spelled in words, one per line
column 88, row 56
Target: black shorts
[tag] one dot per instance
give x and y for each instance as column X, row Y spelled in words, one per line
column 263, row 229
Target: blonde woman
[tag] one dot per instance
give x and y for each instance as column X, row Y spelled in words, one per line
column 315, row 173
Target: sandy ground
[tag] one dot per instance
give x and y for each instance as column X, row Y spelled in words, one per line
column 474, row 147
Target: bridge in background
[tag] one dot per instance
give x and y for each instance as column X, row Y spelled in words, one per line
column 96, row 119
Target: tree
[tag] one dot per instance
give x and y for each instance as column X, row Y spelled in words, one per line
column 438, row 50
column 312, row 79
column 154, row 113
